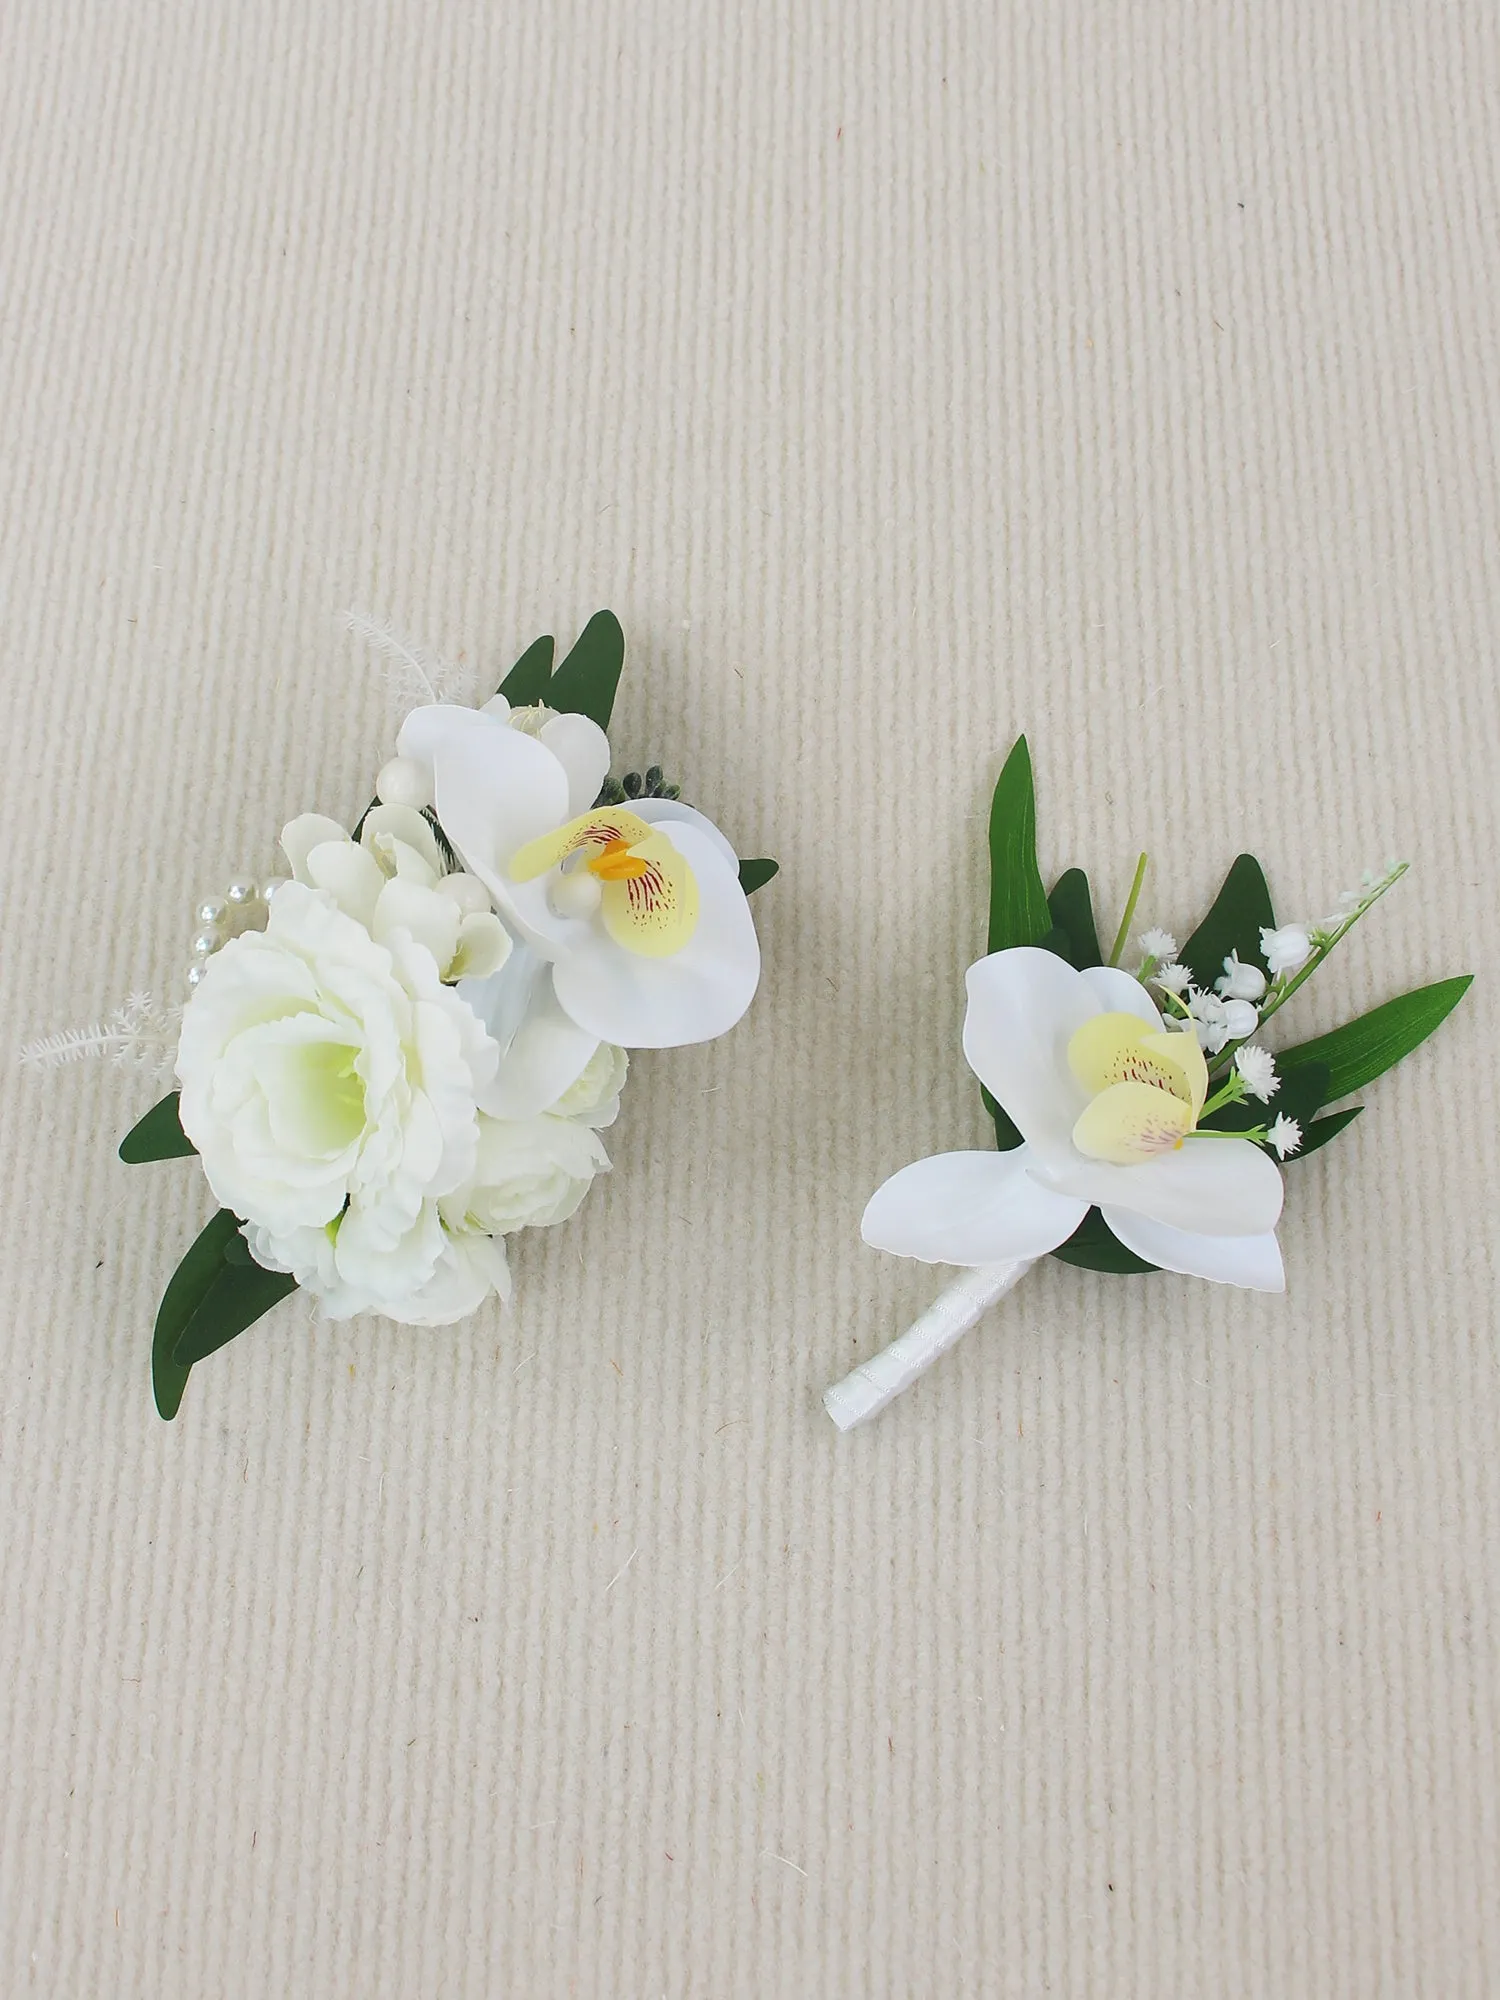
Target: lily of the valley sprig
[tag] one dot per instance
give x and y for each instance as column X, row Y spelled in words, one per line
column 1141, row 1124
column 405, row 1049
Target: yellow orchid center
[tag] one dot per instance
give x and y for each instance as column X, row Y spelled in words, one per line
column 1146, row 1088
column 644, row 890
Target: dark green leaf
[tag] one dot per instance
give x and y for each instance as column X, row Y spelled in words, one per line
column 1322, row 1130
column 1059, row 943
column 526, row 683
column 1072, row 909
column 756, row 874
column 158, row 1136
column 242, row 1291
column 1018, row 903
column 586, row 681
column 1094, row 1247
column 186, row 1290
column 1367, row 1047
column 1007, row 1132
column 1234, row 923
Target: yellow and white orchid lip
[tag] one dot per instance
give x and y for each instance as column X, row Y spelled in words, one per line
column 1146, row 1088
column 614, row 861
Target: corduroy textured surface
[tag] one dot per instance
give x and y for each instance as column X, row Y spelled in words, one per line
column 905, row 377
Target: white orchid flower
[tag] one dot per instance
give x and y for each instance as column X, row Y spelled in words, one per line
column 1107, row 1101
column 635, row 913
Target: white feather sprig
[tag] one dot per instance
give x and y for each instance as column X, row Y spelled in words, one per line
column 417, row 675
column 141, row 1034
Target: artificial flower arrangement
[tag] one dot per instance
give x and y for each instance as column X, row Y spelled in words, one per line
column 1140, row 1123
column 405, row 1048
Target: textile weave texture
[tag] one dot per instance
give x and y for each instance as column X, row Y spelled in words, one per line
column 905, row 377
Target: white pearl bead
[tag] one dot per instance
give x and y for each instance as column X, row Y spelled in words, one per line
column 470, row 894
column 238, row 894
column 213, row 910
column 207, row 942
column 577, row 894
column 195, row 974
column 270, row 888
column 403, row 782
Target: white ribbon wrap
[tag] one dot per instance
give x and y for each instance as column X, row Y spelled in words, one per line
column 865, row 1392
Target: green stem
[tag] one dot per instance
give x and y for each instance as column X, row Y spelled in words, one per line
column 1279, row 999
column 1232, row 1093
column 1125, row 921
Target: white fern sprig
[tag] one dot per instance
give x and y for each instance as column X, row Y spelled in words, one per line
column 419, row 676
column 141, row 1034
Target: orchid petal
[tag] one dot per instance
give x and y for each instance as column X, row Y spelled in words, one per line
column 1252, row 1262
column 660, row 1003
column 1024, row 1007
column 969, row 1208
column 1119, row 993
column 582, row 748
column 667, row 810
column 1209, row 1185
column 496, row 789
column 438, row 726
column 544, row 1058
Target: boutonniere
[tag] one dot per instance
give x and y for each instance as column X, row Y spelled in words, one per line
column 404, row 1048
column 1141, row 1122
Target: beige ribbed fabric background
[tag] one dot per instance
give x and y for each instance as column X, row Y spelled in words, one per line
column 904, row 376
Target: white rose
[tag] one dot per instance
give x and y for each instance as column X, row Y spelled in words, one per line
column 391, row 880
column 463, row 1268
column 329, row 1084
column 594, row 1097
column 530, row 1172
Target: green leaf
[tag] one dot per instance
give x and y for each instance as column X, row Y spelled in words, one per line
column 1018, row 902
column 1365, row 1048
column 158, row 1136
column 756, row 874
column 1007, row 1132
column 186, row 1290
column 526, row 683
column 1094, row 1247
column 1322, row 1130
column 1234, row 923
column 241, row 1293
column 586, row 681
column 1072, row 908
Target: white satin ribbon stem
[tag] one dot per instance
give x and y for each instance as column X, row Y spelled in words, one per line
column 865, row 1392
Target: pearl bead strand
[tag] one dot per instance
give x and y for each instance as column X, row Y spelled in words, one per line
column 242, row 907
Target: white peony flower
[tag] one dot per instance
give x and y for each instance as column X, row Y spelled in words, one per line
column 1286, row 950
column 437, row 1274
column 1105, row 1101
column 637, row 911
column 330, row 1085
column 529, row 1174
column 1241, row 981
column 391, row 879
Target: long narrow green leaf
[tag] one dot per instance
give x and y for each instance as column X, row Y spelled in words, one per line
column 1018, row 903
column 1240, row 910
column 240, row 1294
column 586, row 681
column 1367, row 1047
column 1094, row 1247
column 527, row 681
column 1072, row 908
column 158, row 1136
column 1322, row 1130
column 756, row 874
column 186, row 1290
